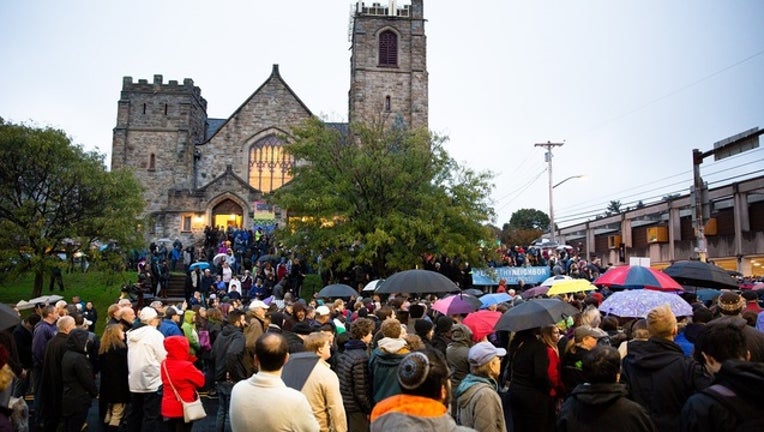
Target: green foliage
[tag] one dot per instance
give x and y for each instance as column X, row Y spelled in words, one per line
column 53, row 193
column 529, row 219
column 382, row 197
column 614, row 207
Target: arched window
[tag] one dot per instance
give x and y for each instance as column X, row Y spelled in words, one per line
column 269, row 165
column 388, row 48
column 152, row 162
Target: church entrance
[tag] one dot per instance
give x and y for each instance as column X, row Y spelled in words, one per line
column 228, row 214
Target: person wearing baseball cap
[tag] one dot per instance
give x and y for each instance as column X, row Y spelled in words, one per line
column 477, row 397
column 145, row 353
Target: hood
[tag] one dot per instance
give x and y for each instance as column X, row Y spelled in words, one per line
column 735, row 320
column 137, row 332
column 473, row 381
column 188, row 316
column 177, row 348
column 743, row 377
column 392, row 346
column 460, row 333
column 651, row 354
column 77, row 340
column 599, row 394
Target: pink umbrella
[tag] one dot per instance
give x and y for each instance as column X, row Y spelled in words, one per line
column 457, row 304
column 638, row 277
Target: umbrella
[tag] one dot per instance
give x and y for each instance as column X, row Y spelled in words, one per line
column 163, row 240
column 371, row 286
column 758, row 285
column 700, row 274
column 492, row 299
column 637, row 303
column 638, row 277
column 457, row 304
column 555, row 279
column 271, row 258
column 24, row 305
column 474, row 292
column 8, row 317
column 219, row 257
column 417, row 281
column 48, row 299
column 534, row 292
column 535, row 313
column 707, row 294
column 570, row 286
column 200, row 265
column 337, row 290
column 481, row 323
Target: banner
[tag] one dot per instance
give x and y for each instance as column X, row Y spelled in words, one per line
column 491, row 276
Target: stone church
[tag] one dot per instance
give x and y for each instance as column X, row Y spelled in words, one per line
column 199, row 171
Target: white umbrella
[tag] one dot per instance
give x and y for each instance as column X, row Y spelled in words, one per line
column 24, row 305
column 371, row 286
column 554, row 279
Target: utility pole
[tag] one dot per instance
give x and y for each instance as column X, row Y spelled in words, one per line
column 549, row 146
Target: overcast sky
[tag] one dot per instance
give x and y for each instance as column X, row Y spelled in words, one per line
column 631, row 86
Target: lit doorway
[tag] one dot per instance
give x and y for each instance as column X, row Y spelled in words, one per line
column 228, row 214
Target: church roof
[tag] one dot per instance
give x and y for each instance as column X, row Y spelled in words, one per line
column 342, row 128
column 274, row 75
column 213, row 125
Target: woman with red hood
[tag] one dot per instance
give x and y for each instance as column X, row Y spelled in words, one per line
column 179, row 368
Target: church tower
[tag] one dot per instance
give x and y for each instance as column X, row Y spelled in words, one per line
column 388, row 64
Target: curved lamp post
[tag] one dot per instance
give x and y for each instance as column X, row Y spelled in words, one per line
column 553, row 228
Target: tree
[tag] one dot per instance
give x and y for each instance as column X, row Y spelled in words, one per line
column 614, row 207
column 525, row 225
column 53, row 192
column 382, row 197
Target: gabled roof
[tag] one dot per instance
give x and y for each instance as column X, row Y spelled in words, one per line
column 228, row 173
column 213, row 125
column 275, row 75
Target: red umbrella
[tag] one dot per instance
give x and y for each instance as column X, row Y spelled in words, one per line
column 481, row 323
column 638, row 277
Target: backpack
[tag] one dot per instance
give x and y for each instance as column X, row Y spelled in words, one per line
column 749, row 418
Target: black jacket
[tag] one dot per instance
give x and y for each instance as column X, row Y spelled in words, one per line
column 51, row 384
column 353, row 373
column 661, row 379
column 704, row 412
column 602, row 407
column 228, row 352
column 113, row 366
column 77, row 375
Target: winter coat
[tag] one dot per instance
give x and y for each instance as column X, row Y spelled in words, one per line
column 353, row 373
column 189, row 330
column 77, row 375
column 707, row 413
column 178, row 371
column 169, row 328
column 51, row 384
column 228, row 353
column 661, row 379
column 404, row 413
column 113, row 365
column 383, row 367
column 311, row 375
column 572, row 372
column 602, row 407
column 145, row 353
column 479, row 404
column 456, row 353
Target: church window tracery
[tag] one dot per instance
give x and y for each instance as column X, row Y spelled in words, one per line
column 388, row 49
column 269, row 164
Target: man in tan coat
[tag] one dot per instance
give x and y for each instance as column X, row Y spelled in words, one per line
column 309, row 373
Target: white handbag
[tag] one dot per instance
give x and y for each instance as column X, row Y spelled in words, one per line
column 191, row 410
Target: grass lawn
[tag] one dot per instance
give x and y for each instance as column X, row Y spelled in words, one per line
column 102, row 288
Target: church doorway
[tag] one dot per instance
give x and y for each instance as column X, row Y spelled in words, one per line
column 227, row 214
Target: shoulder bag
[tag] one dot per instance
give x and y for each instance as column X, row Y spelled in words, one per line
column 191, row 410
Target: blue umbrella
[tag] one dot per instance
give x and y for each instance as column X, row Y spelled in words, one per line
column 492, row 299
column 201, row 265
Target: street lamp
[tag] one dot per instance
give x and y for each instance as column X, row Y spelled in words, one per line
column 551, row 198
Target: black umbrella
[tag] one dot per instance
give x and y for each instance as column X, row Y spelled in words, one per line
column 535, row 313
column 8, row 317
column 474, row 292
column 700, row 274
column 337, row 290
column 271, row 258
column 417, row 281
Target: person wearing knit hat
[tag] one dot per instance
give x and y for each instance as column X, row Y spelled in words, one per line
column 424, row 329
column 442, row 336
column 730, row 305
column 422, row 404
